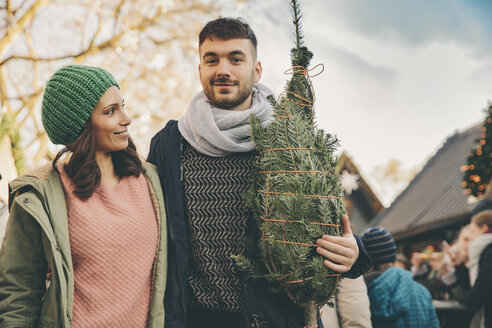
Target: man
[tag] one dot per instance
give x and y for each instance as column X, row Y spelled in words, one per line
column 477, row 280
column 396, row 299
column 205, row 162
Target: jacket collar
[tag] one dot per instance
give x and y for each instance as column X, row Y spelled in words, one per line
column 35, row 180
column 45, row 176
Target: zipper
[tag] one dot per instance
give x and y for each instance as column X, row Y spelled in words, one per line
column 171, row 235
column 51, row 237
column 255, row 318
column 158, row 219
column 179, row 273
column 185, row 312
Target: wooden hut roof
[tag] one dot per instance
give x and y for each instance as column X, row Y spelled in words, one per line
column 435, row 197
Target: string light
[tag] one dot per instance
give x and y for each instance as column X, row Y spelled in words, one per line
column 477, row 171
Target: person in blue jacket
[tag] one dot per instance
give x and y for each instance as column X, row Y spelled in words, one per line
column 205, row 161
column 397, row 301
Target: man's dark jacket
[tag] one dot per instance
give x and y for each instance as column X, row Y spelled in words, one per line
column 479, row 295
column 260, row 307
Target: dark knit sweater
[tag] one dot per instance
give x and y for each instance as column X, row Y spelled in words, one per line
column 217, row 221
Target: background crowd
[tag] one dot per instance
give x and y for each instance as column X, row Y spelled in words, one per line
column 433, row 287
column 43, row 257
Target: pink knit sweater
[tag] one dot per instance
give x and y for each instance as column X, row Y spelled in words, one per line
column 113, row 240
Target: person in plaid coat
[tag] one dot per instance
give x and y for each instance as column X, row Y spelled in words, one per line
column 396, row 299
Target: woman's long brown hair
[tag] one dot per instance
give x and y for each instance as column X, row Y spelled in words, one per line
column 82, row 167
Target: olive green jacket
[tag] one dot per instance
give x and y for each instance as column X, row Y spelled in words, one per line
column 37, row 241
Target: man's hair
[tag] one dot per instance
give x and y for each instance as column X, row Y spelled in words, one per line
column 482, row 218
column 225, row 28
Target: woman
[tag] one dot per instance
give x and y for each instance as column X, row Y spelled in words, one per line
column 94, row 226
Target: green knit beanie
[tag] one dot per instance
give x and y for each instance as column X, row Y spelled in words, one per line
column 69, row 99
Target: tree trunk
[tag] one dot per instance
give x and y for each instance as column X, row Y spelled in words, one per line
column 311, row 315
column 7, row 168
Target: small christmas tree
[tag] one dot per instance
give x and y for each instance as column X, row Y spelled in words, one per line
column 478, row 170
column 296, row 196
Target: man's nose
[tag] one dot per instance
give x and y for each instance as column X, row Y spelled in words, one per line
column 223, row 69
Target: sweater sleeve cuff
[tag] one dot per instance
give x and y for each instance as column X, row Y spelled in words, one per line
column 362, row 264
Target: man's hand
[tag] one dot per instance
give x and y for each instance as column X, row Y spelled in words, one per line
column 340, row 252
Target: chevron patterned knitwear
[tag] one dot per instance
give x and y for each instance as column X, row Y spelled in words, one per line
column 217, row 221
column 113, row 239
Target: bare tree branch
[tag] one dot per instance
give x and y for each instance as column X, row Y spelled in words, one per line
column 144, row 44
column 24, row 98
column 3, row 92
column 20, row 25
column 117, row 13
column 32, row 52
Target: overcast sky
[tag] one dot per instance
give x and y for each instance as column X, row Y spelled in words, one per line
column 400, row 76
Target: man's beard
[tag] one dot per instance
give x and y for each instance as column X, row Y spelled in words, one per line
column 243, row 92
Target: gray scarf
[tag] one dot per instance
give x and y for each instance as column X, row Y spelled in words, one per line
column 220, row 132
